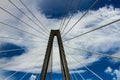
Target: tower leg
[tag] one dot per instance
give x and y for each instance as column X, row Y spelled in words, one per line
column 63, row 61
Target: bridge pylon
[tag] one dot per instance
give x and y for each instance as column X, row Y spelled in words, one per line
column 63, row 61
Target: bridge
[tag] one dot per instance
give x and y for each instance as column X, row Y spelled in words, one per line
column 69, row 71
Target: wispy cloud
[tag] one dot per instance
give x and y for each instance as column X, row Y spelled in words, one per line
column 32, row 60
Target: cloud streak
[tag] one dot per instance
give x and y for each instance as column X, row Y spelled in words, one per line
column 32, row 60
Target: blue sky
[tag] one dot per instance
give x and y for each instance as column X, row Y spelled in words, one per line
column 25, row 60
column 55, row 8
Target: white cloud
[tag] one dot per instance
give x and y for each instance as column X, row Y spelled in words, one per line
column 78, row 71
column 33, row 77
column 113, row 72
column 117, row 73
column 108, row 70
column 31, row 61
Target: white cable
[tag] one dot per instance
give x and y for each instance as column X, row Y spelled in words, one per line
column 88, row 69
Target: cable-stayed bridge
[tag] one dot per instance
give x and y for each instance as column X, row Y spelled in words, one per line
column 47, row 70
